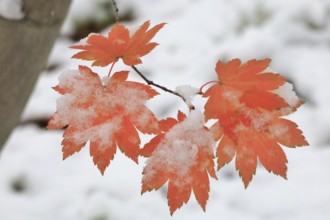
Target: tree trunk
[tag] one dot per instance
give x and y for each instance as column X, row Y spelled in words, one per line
column 24, row 48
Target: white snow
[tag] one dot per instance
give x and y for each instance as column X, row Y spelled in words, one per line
column 11, row 9
column 187, row 92
column 287, row 92
column 258, row 120
column 71, row 107
column 295, row 35
column 131, row 98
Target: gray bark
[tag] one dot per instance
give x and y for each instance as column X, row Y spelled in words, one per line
column 24, row 49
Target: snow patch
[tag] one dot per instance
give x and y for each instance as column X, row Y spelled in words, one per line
column 105, row 80
column 187, row 92
column 83, row 41
column 11, row 9
column 131, row 98
column 287, row 92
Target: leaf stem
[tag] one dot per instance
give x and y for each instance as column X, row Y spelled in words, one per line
column 149, row 82
column 201, row 89
column 116, row 10
column 113, row 64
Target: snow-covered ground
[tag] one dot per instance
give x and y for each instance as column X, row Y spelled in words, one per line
column 36, row 184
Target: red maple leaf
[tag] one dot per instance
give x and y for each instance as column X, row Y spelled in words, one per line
column 248, row 111
column 118, row 44
column 243, row 84
column 256, row 134
column 183, row 156
column 106, row 115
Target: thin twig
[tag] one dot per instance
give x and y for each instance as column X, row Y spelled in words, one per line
column 116, row 10
column 149, row 82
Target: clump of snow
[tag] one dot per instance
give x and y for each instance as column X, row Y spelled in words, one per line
column 187, row 92
column 103, row 133
column 177, row 152
column 76, row 92
column 65, row 78
column 83, row 41
column 132, row 99
column 179, row 157
column 287, row 92
column 11, row 9
column 105, row 80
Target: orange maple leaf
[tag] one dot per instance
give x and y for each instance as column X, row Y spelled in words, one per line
column 248, row 111
column 106, row 114
column 182, row 155
column 118, row 44
column 245, row 84
column 256, row 134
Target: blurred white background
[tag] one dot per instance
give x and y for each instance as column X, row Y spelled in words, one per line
column 35, row 184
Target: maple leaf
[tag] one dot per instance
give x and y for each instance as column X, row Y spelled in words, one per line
column 243, row 84
column 183, row 156
column 118, row 44
column 252, row 134
column 248, row 104
column 106, row 115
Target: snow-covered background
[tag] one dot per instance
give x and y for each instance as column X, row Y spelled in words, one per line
column 35, row 184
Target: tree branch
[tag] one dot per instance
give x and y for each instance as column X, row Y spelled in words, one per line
column 149, row 82
column 116, row 10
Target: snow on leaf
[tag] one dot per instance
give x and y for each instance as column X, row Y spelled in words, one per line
column 225, row 151
column 288, row 94
column 106, row 115
column 183, row 156
column 165, row 125
column 287, row 133
column 118, row 44
column 246, row 158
